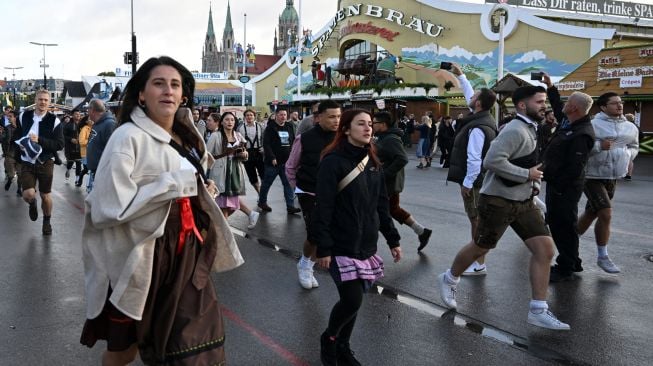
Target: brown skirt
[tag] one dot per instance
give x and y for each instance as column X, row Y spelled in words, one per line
column 182, row 320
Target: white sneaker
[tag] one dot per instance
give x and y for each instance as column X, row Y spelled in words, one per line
column 607, row 265
column 314, row 281
column 447, row 292
column 545, row 319
column 476, row 269
column 253, row 219
column 305, row 276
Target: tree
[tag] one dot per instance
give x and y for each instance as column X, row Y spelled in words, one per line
column 107, row 73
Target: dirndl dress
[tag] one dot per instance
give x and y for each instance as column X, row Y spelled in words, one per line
column 182, row 321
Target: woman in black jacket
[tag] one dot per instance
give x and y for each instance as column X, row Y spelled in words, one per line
column 346, row 225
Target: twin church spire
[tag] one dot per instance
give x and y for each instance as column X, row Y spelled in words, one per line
column 223, row 58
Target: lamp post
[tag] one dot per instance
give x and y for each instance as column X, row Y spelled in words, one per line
column 134, row 53
column 44, row 65
column 13, row 78
column 299, row 50
column 244, row 57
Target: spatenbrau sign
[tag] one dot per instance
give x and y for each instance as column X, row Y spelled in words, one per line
column 602, row 7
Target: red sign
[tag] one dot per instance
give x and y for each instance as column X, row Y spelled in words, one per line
column 368, row 28
column 646, row 52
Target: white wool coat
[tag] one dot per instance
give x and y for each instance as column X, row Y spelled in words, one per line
column 137, row 179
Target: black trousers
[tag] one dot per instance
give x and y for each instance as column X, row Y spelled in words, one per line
column 562, row 217
column 254, row 168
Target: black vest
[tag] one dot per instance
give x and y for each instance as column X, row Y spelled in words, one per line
column 46, row 130
column 313, row 142
column 458, row 160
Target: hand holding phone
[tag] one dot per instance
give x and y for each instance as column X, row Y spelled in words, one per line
column 537, row 76
column 445, row 65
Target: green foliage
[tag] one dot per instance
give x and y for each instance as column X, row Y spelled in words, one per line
column 107, row 73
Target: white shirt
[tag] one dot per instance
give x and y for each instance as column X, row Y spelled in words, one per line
column 474, row 153
column 476, row 140
column 468, row 91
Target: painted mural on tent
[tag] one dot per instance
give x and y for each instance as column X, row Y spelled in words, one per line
column 481, row 68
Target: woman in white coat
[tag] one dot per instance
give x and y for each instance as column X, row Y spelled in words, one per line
column 152, row 232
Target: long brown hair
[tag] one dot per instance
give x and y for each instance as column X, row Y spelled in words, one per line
column 340, row 140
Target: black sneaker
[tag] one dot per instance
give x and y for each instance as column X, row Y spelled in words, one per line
column 264, row 207
column 628, row 178
column 293, row 210
column 8, row 184
column 33, row 211
column 47, row 228
column 346, row 355
column 328, row 353
column 424, row 239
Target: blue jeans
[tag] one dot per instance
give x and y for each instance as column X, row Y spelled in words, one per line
column 271, row 173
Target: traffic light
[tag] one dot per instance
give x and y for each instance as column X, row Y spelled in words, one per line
column 127, row 58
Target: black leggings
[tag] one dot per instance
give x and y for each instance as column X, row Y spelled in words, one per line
column 343, row 314
column 78, row 166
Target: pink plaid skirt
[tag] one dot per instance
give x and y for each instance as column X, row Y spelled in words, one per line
column 347, row 269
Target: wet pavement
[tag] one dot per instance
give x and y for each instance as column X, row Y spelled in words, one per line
column 271, row 320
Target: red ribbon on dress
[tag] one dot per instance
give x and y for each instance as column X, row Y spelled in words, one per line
column 187, row 223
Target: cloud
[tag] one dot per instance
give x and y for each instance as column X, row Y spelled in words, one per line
column 93, row 35
column 531, row 56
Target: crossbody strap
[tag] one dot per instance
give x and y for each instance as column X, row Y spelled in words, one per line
column 190, row 157
column 353, row 174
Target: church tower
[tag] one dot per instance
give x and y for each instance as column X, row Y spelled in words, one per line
column 227, row 55
column 210, row 52
column 288, row 21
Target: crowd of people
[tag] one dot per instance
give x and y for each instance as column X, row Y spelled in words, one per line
column 162, row 183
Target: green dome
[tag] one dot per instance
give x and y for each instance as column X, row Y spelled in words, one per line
column 289, row 14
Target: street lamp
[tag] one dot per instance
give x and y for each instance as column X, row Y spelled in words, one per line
column 44, row 65
column 299, row 49
column 13, row 78
column 244, row 57
column 134, row 52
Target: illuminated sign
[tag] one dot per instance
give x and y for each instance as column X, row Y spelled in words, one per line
column 602, row 7
column 644, row 71
column 391, row 15
column 367, row 28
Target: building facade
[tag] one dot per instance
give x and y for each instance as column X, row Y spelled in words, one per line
column 355, row 47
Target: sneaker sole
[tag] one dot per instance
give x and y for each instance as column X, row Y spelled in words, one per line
column 540, row 325
column 472, row 274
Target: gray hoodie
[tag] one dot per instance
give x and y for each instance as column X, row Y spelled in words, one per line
column 613, row 163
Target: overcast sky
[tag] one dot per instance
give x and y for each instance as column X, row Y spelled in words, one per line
column 92, row 35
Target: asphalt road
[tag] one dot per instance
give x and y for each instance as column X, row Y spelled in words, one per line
column 271, row 320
